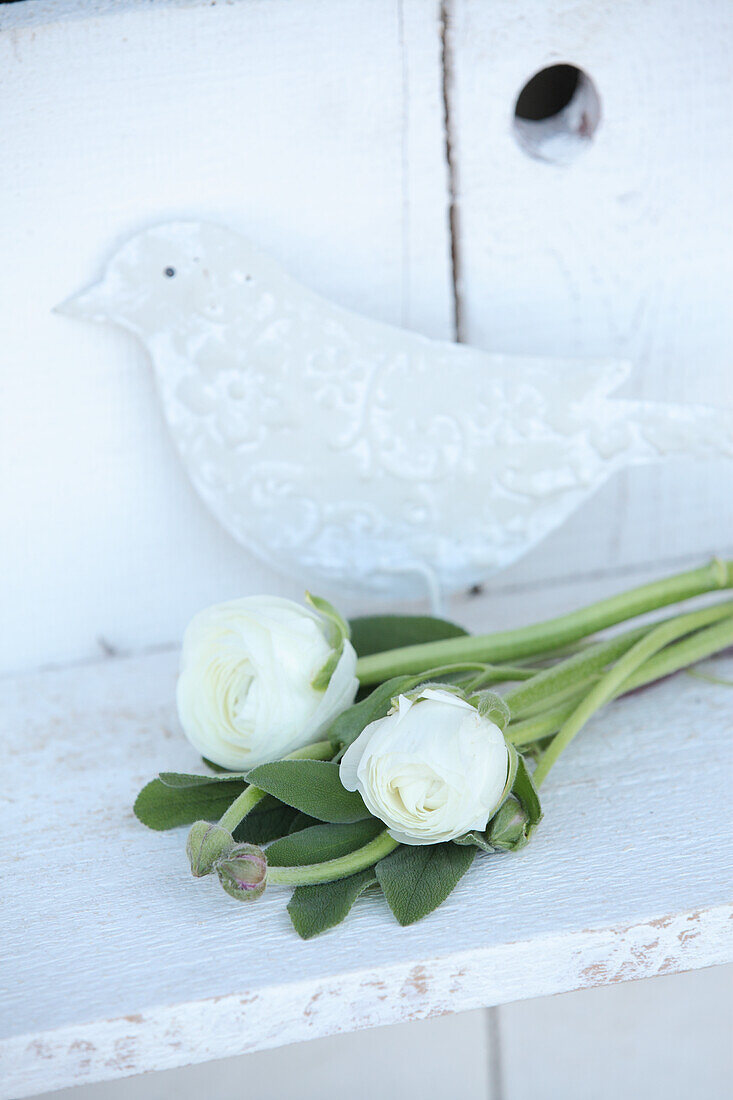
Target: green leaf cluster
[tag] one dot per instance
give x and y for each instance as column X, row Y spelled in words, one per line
column 377, row 633
column 306, row 817
column 316, row 830
column 169, row 800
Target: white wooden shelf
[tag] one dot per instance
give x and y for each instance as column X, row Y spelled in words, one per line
column 114, row 961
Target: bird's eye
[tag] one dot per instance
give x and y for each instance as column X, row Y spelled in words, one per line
column 169, row 272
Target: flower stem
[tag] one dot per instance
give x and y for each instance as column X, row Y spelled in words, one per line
column 240, row 807
column 554, row 685
column 333, row 869
column 558, row 679
column 687, row 652
column 485, row 672
column 701, row 644
column 250, row 796
column 624, row 669
column 551, row 634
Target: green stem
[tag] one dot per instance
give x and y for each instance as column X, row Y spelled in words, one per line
column 489, row 673
column 541, row 637
column 250, row 796
column 562, row 677
column 702, row 644
column 540, row 726
column 625, row 668
column 333, row 869
column 687, row 652
column 554, row 685
column 240, row 807
column 498, row 674
column 569, row 694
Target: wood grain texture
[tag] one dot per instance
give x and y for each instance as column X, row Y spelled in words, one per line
column 114, row 961
column 314, row 129
column 618, row 253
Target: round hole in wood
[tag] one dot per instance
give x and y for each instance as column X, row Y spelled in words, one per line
column 556, row 114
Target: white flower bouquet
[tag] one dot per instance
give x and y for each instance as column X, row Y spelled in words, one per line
column 388, row 752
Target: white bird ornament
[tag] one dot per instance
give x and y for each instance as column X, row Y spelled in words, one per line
column 352, row 452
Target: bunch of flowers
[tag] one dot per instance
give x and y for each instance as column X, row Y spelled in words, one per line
column 381, row 753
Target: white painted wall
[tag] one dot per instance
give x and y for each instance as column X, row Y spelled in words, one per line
column 316, row 129
column 319, row 131
column 625, row 251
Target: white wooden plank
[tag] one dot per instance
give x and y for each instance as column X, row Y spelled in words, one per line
column 624, row 252
column 114, row 961
column 446, row 1056
column 315, row 129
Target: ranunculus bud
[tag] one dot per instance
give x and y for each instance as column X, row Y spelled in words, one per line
column 262, row 677
column 205, row 845
column 432, row 770
column 508, row 830
column 243, row 873
column 513, row 825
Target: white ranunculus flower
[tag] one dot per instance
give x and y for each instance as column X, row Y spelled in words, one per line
column 431, row 771
column 245, row 691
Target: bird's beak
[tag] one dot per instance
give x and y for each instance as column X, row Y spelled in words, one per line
column 90, row 305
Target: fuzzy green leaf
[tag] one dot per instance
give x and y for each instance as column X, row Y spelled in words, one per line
column 302, row 821
column 337, row 627
column 417, row 878
column 183, row 779
column 312, row 786
column 526, row 792
column 313, row 909
column 162, row 807
column 376, row 633
column 267, row 821
column 322, row 678
column 513, row 825
column 347, row 727
column 322, row 842
column 491, row 706
column 475, row 838
column 214, row 767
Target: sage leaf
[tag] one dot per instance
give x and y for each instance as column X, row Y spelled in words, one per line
column 417, row 878
column 301, row 821
column 182, row 779
column 377, row 633
column 163, row 807
column 477, row 839
column 346, row 728
column 214, row 767
column 311, row 786
column 321, row 842
column 267, row 821
column 313, row 909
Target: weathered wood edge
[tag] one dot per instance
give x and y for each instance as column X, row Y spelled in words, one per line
column 182, row 1034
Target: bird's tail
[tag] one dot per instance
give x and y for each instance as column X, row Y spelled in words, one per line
column 654, row 430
